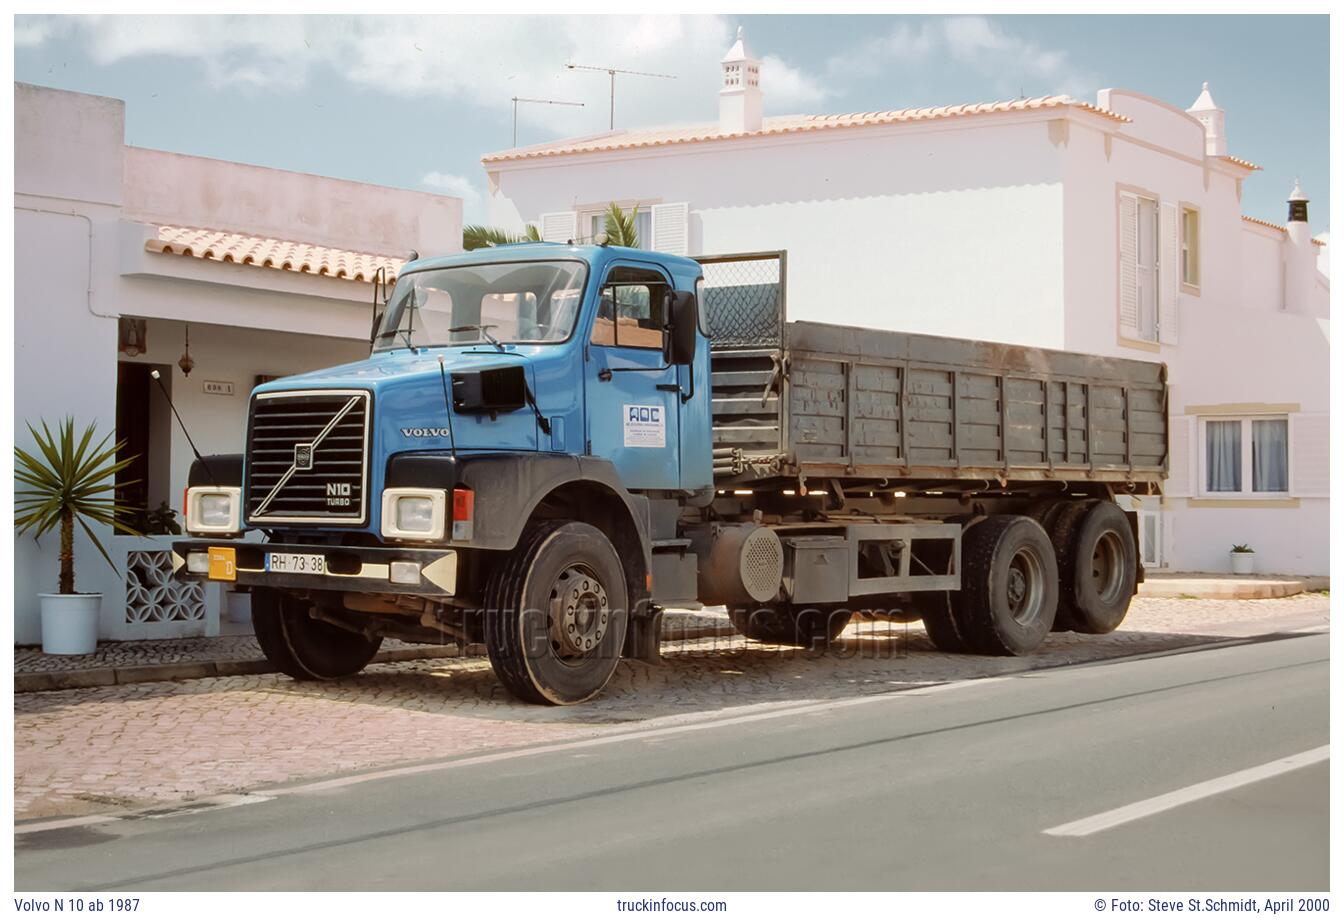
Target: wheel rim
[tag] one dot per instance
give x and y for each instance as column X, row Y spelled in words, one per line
column 1108, row 567
column 1026, row 587
column 580, row 614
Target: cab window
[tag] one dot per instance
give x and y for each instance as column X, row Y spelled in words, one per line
column 630, row 311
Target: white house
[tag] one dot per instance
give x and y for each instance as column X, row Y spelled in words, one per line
column 1112, row 227
column 127, row 260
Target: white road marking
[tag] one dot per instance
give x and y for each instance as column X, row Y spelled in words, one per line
column 1160, row 803
column 212, row 803
column 58, row 823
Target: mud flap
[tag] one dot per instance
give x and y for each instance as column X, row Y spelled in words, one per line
column 644, row 638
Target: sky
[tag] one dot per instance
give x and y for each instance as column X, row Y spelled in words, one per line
column 414, row 102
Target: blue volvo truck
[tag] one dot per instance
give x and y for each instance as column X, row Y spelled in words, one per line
column 550, row 444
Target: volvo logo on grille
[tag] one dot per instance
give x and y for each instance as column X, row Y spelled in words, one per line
column 303, row 456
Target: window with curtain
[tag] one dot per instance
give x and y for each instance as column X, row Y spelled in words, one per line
column 1269, row 455
column 1223, row 461
column 1235, row 447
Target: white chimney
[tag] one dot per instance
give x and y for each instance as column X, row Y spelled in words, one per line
column 1299, row 262
column 1211, row 117
column 740, row 95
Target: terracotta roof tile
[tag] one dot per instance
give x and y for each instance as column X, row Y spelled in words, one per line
column 786, row 124
column 286, row 255
column 1245, row 164
column 1279, row 227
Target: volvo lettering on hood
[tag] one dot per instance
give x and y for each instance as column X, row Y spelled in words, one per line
column 425, row 432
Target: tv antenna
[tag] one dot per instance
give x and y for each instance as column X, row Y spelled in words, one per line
column 518, row 99
column 612, row 72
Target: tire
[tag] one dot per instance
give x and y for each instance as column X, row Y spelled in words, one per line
column 940, row 621
column 1009, row 588
column 305, row 648
column 1063, row 531
column 803, row 625
column 542, row 649
column 1099, row 569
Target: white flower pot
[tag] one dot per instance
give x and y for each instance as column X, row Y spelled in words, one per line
column 1243, row 563
column 70, row 623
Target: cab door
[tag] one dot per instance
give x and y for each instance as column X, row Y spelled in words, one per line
column 633, row 396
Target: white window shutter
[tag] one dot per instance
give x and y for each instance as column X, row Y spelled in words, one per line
column 670, row 228
column 1168, row 273
column 1181, row 437
column 1309, row 454
column 559, row 227
column 1129, row 262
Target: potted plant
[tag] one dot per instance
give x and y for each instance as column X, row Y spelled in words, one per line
column 1243, row 559
column 69, row 480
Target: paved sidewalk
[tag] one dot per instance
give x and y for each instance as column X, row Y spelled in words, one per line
column 102, row 749
column 1221, row 586
column 223, row 656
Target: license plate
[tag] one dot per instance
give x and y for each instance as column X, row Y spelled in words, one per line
column 297, row 563
column 223, row 563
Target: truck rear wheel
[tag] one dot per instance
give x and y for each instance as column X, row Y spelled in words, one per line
column 803, row 625
column 556, row 614
column 1063, row 530
column 1098, row 569
column 936, row 609
column 302, row 647
column 1010, row 585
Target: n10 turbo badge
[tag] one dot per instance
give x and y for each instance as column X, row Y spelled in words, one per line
column 645, row 426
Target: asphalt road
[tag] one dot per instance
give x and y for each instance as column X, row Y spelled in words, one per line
column 947, row 788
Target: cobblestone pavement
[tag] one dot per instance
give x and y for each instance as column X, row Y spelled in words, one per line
column 231, row 648
column 107, row 748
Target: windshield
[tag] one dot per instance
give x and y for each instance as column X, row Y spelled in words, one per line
column 523, row 302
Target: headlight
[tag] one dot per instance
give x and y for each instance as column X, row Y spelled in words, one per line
column 214, row 509
column 414, row 514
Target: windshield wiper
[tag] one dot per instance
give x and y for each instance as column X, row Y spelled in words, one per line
column 479, row 327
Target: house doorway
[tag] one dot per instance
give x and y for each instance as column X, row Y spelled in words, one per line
column 144, row 424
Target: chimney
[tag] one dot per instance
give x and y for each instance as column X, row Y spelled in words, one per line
column 1211, row 117
column 1299, row 261
column 740, row 94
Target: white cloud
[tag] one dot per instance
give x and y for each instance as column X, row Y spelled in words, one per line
column 482, row 60
column 452, row 184
column 1011, row 62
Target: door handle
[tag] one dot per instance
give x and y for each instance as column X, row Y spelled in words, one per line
column 669, row 387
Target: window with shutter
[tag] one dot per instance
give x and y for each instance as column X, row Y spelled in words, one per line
column 670, row 232
column 1169, row 274
column 559, row 227
column 1129, row 252
column 1309, row 434
column 1179, row 444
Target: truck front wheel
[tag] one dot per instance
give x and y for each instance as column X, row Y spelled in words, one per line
column 303, row 647
column 792, row 624
column 556, row 614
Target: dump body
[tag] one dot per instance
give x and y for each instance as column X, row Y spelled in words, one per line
column 846, row 402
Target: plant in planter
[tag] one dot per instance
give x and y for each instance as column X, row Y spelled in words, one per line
column 1243, row 559
column 69, row 480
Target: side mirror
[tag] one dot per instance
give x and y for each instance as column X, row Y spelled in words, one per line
column 683, row 318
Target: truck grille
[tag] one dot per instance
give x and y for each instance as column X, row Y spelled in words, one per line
column 307, row 457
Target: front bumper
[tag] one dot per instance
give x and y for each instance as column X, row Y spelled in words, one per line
column 357, row 569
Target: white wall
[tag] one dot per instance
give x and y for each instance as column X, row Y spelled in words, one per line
column 180, row 190
column 1001, row 229
column 911, row 227
column 80, row 264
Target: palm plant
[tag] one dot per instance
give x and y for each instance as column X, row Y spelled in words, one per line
column 476, row 236
column 620, row 227
column 69, row 481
